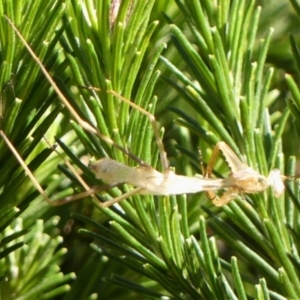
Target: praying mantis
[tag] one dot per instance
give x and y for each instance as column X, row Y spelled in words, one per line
column 147, row 180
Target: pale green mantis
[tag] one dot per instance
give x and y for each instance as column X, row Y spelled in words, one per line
column 243, row 179
column 145, row 179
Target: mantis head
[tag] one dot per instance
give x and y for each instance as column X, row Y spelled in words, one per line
column 250, row 181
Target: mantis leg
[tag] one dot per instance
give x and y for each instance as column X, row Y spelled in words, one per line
column 235, row 165
column 229, row 195
column 162, row 152
column 85, row 125
column 231, row 158
column 89, row 191
column 122, row 197
column 152, row 120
